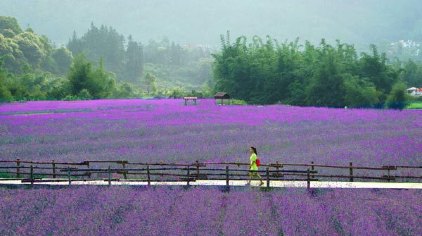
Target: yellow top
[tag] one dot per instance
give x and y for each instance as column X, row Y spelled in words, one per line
column 253, row 162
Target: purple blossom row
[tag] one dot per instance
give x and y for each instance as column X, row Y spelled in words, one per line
column 164, row 211
column 166, row 130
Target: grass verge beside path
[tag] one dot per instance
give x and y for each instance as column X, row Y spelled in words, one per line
column 414, row 105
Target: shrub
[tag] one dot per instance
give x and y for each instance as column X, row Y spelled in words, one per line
column 84, row 94
column 397, row 99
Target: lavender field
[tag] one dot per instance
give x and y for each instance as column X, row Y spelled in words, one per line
column 164, row 211
column 166, row 130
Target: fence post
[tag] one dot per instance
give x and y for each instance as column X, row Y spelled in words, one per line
column 227, row 176
column 277, row 167
column 197, row 169
column 87, row 166
column 188, row 175
column 124, row 171
column 308, row 180
column 54, row 169
column 388, row 174
column 351, row 171
column 68, row 175
column 268, row 177
column 148, row 176
column 32, row 175
column 18, row 169
column 312, row 168
column 109, row 176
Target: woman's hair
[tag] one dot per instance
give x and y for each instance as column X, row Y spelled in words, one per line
column 254, row 150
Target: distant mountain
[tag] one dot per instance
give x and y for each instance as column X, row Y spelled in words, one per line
column 360, row 22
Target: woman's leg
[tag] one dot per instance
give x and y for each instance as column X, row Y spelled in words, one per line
column 260, row 179
column 251, row 175
column 255, row 174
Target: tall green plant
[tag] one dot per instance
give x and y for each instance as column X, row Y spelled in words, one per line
column 96, row 81
column 397, row 98
column 268, row 72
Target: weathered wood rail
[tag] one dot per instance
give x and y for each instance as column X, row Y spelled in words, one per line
column 42, row 171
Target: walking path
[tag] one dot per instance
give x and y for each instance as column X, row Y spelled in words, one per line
column 273, row 183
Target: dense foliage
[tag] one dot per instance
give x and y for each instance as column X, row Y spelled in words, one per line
column 107, row 44
column 98, row 65
column 83, row 81
column 324, row 75
column 23, row 50
column 131, row 61
column 32, row 68
column 412, row 73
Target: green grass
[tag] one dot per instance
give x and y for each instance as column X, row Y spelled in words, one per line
column 414, row 105
column 6, row 175
column 232, row 102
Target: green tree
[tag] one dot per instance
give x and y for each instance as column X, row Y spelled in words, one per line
column 103, row 42
column 101, row 83
column 412, row 74
column 79, row 74
column 75, row 45
column 124, row 90
column 150, row 83
column 58, row 89
column 325, row 75
column 21, row 49
column 397, row 98
column 375, row 69
column 63, row 59
column 9, row 26
column 176, row 92
column 297, row 94
column 327, row 85
column 84, row 94
column 134, row 64
column 5, row 95
column 11, row 54
column 34, row 48
column 98, row 82
column 360, row 93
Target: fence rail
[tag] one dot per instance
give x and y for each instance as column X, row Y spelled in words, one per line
column 42, row 171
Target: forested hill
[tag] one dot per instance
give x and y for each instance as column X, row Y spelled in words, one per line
column 360, row 22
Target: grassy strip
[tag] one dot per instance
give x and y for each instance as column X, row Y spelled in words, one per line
column 7, row 175
column 414, row 105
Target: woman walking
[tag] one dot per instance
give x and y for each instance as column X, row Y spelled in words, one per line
column 253, row 167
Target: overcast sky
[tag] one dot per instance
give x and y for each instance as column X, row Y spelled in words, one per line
column 202, row 21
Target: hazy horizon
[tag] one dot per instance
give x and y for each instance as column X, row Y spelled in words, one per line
column 359, row 22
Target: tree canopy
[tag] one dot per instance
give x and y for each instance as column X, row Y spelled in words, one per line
column 267, row 72
column 107, row 44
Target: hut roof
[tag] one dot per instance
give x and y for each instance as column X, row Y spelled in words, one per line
column 221, row 95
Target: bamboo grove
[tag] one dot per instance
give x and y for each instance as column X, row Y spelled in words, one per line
column 268, row 72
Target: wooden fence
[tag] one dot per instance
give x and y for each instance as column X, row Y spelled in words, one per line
column 39, row 171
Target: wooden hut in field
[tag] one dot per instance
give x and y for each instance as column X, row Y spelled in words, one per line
column 222, row 96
